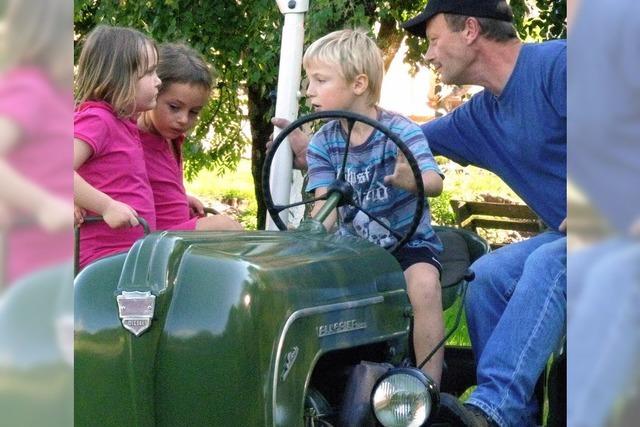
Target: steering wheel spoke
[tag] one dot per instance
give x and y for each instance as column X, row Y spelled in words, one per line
column 373, row 217
column 280, row 208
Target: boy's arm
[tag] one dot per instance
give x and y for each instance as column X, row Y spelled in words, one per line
column 333, row 216
column 403, row 178
column 114, row 213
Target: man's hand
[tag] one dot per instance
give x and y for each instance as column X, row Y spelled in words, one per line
column 195, row 206
column 298, row 141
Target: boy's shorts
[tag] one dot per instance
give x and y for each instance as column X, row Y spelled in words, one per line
column 407, row 256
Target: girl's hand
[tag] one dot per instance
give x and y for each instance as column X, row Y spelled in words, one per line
column 78, row 214
column 196, row 206
column 119, row 215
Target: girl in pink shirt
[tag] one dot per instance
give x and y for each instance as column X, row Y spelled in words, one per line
column 185, row 89
column 116, row 81
column 36, row 107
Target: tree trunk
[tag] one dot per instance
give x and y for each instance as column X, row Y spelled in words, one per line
column 389, row 40
column 259, row 105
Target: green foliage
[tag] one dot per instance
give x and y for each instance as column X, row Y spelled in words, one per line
column 239, row 39
column 441, row 212
column 544, row 22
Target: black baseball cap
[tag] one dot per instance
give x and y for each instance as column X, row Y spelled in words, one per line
column 495, row 9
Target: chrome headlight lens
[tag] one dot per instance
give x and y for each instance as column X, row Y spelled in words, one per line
column 404, row 397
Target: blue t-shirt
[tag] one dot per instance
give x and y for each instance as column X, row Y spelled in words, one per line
column 367, row 165
column 521, row 135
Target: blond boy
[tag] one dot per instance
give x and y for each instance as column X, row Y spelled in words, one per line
column 345, row 71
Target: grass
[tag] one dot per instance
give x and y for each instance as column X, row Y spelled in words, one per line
column 212, row 185
column 231, row 188
column 468, row 183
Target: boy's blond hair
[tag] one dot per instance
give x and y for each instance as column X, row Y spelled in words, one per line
column 112, row 61
column 354, row 53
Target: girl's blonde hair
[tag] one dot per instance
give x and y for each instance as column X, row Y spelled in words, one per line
column 353, row 53
column 111, row 62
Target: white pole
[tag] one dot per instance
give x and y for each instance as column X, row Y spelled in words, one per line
column 287, row 97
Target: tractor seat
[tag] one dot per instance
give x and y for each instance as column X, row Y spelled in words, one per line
column 455, row 260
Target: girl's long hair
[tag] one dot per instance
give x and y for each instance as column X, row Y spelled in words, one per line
column 111, row 62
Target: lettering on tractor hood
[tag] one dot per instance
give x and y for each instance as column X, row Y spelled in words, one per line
column 340, row 327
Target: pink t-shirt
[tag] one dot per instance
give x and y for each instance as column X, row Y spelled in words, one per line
column 164, row 169
column 43, row 113
column 117, row 168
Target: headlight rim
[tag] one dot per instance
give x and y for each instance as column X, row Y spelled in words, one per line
column 427, row 381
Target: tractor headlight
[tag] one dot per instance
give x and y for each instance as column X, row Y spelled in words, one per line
column 404, row 397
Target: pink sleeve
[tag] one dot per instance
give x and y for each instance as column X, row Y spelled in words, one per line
column 19, row 95
column 92, row 129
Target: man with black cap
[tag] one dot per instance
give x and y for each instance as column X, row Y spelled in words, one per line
column 516, row 128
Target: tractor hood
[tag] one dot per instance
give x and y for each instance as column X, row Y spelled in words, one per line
column 234, row 324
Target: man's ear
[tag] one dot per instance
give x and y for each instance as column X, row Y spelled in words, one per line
column 471, row 30
column 360, row 84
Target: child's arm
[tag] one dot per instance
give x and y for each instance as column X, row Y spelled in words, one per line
column 51, row 212
column 114, row 213
column 333, row 216
column 403, row 178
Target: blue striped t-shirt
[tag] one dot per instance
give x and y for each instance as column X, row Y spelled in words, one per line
column 367, row 165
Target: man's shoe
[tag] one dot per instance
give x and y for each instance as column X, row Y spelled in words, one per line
column 460, row 415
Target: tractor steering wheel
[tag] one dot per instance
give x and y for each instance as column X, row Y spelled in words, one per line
column 340, row 192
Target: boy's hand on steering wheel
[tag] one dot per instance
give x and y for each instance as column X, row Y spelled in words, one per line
column 402, row 175
column 120, row 215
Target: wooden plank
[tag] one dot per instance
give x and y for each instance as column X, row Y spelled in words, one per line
column 502, row 224
column 466, row 209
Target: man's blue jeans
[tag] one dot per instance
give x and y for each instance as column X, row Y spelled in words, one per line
column 516, row 313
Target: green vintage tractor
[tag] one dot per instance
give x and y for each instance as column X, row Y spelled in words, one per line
column 265, row 328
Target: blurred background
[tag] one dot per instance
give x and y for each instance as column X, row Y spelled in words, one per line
column 604, row 213
column 36, row 305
